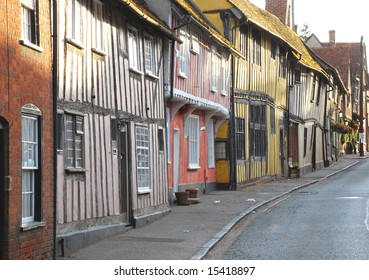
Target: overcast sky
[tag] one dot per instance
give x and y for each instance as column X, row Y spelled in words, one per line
column 350, row 19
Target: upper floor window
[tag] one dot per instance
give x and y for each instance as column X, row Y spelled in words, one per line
column 74, row 28
column 282, row 63
column 30, row 32
column 273, row 49
column 224, row 74
column 183, row 55
column 256, row 35
column 243, row 39
column 133, row 48
column 149, row 55
column 214, row 70
column 98, row 23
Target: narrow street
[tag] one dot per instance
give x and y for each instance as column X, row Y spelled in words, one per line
column 327, row 221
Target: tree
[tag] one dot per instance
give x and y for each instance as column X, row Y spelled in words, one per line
column 305, row 32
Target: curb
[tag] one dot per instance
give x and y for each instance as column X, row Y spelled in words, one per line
column 219, row 236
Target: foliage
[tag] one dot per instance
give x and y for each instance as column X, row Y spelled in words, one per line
column 305, row 32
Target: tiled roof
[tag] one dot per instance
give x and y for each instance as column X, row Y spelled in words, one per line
column 274, row 26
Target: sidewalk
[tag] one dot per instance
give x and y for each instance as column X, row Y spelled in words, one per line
column 189, row 232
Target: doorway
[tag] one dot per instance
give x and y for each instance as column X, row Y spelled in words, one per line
column 124, row 171
column 4, row 180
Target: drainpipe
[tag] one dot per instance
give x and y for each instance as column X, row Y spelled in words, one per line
column 55, row 116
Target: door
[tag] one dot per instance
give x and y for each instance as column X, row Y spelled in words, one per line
column 124, row 171
column 176, row 143
column 4, row 180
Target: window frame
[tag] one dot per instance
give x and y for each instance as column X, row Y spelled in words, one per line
column 133, row 44
column 30, row 36
column 75, row 22
column 98, row 25
column 211, row 144
column 150, row 68
column 143, row 186
column 256, row 36
column 183, row 54
column 258, row 145
column 224, row 73
column 192, row 131
column 214, row 70
column 221, row 151
column 240, row 141
column 243, row 44
column 77, row 136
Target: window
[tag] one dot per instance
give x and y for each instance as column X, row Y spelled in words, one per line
column 74, row 141
column 257, row 135
column 282, row 63
column 272, row 120
column 149, row 55
column 113, row 129
column 133, row 49
column 243, row 39
column 297, row 76
column 240, row 139
column 192, row 131
column 143, row 158
column 273, row 49
column 30, row 21
column 256, row 34
column 98, row 37
column 183, row 54
column 31, row 165
column 214, row 70
column 319, row 91
column 195, row 45
column 313, row 90
column 220, row 149
column 161, row 140
column 211, row 160
column 75, row 20
column 224, row 75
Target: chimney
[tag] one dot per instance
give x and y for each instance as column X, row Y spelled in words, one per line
column 282, row 9
column 332, row 37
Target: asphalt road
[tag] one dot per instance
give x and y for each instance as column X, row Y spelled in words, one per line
column 327, row 221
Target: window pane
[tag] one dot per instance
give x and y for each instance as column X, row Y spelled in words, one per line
column 193, row 141
column 143, row 157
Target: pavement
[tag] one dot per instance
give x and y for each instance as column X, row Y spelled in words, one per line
column 190, row 232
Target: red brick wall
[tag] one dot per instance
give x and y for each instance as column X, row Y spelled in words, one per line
column 26, row 77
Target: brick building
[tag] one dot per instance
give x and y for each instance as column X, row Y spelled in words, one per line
column 26, row 131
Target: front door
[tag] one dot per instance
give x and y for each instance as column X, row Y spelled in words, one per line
column 4, row 172
column 124, row 171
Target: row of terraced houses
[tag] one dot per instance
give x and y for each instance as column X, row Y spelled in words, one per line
column 110, row 107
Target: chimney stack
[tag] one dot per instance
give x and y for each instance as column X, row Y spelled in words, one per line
column 332, row 37
column 282, row 9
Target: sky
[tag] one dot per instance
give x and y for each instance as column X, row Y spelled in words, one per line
column 350, row 19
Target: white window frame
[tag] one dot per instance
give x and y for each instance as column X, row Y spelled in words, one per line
column 75, row 21
column 183, row 55
column 224, row 74
column 30, row 166
column 211, row 144
column 143, row 159
column 192, row 130
column 195, row 44
column 214, row 71
column 74, row 141
column 149, row 55
column 30, row 32
column 133, row 48
column 98, row 25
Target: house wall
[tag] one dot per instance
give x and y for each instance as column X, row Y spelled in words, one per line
column 101, row 87
column 25, row 78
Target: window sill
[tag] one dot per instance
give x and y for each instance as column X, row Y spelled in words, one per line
column 182, row 75
column 144, row 191
column 32, row 225
column 194, row 167
column 136, row 71
column 99, row 52
column 151, row 76
column 213, row 90
column 75, row 170
column 28, row 44
column 224, row 93
column 75, row 43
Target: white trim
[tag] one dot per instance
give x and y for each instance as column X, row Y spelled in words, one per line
column 27, row 43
